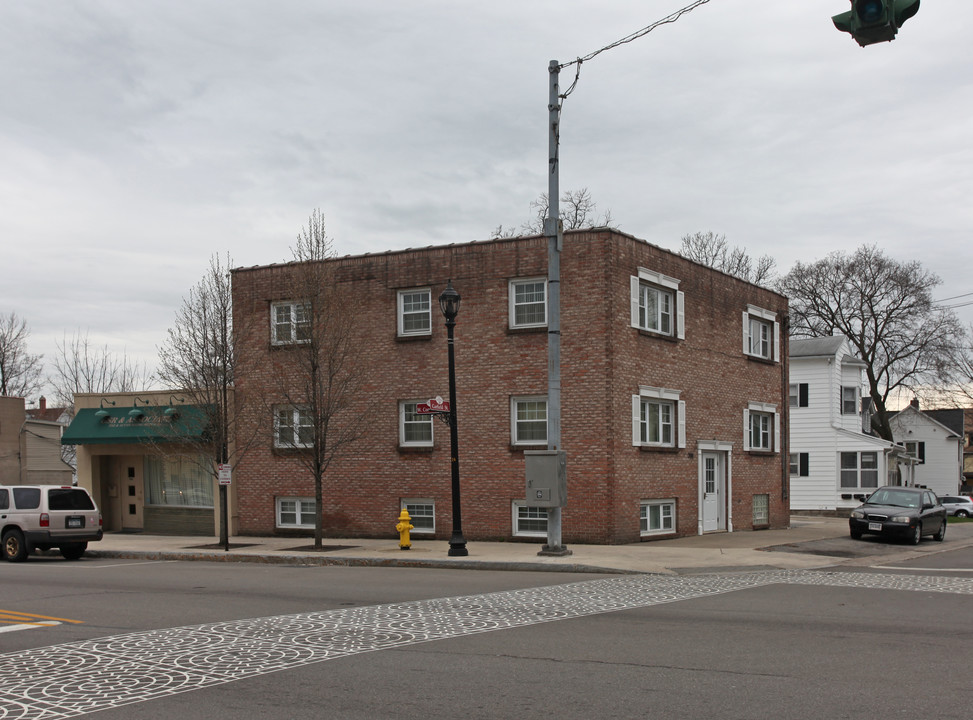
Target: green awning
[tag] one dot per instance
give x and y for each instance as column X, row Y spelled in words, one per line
column 113, row 425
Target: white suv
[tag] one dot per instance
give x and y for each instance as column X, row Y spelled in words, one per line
column 40, row 517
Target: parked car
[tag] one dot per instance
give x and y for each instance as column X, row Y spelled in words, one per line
column 41, row 517
column 900, row 512
column 958, row 505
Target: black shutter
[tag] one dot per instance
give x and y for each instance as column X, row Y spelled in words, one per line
column 803, row 462
column 802, row 395
column 922, row 452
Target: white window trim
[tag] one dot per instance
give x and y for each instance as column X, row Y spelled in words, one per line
column 667, row 283
column 514, row 506
column 514, row 439
column 295, row 416
column 292, row 304
column 512, row 304
column 661, row 531
column 647, row 392
column 766, row 408
column 412, row 443
column 400, row 312
column 857, row 401
column 858, row 487
column 277, row 513
column 405, row 502
column 769, row 317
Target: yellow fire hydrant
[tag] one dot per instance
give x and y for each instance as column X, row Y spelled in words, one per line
column 403, row 527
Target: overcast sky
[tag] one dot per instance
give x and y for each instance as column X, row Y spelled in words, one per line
column 137, row 139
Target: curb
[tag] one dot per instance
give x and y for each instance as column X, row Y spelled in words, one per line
column 363, row 562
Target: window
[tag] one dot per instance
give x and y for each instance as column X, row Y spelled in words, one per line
column 799, row 465
column 798, row 395
column 657, row 304
column 295, row 512
column 177, row 481
column 917, row 449
column 415, row 430
column 761, row 510
column 422, row 514
column 658, row 418
column 415, row 312
column 528, row 417
column 761, row 334
column 293, row 427
column 859, row 470
column 761, row 427
column 657, row 517
column 849, row 400
column 529, row 521
column 290, row 322
column 528, row 303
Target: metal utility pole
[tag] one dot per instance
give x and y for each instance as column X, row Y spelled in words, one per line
column 554, row 232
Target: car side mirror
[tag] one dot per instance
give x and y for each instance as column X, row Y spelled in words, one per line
column 928, row 506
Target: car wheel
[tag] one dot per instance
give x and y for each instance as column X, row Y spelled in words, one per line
column 856, row 534
column 14, row 546
column 916, row 534
column 73, row 551
column 962, row 513
column 941, row 535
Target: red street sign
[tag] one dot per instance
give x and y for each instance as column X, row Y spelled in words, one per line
column 434, row 405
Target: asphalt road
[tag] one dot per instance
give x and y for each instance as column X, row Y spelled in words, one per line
column 204, row 640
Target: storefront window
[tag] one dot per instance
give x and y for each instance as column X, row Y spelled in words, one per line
column 178, row 481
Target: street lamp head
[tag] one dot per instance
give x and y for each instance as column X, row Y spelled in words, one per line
column 449, row 302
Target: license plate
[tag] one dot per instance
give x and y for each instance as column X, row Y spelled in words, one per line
column 875, row 526
column 75, row 522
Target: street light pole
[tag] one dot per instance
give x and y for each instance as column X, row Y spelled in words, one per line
column 449, row 303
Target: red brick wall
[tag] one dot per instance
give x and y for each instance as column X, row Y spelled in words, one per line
column 604, row 360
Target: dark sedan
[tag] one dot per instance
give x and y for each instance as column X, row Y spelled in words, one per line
column 900, row 512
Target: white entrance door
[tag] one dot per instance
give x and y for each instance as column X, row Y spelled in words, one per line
column 713, row 482
column 133, row 498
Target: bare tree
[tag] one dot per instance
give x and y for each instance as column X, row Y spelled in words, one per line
column 321, row 376
column 79, row 367
column 714, row 251
column 201, row 361
column 885, row 309
column 20, row 371
column 577, row 211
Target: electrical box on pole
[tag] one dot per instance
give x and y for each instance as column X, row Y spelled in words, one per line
column 547, row 483
column 875, row 21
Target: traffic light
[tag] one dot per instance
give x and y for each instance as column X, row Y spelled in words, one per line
column 873, row 21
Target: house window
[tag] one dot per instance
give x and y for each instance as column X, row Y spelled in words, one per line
column 422, row 514
column 761, row 427
column 761, row 510
column 290, row 322
column 658, row 418
column 761, row 334
column 529, row 521
column 293, row 427
column 849, row 400
column 657, row 304
column 295, row 512
column 799, row 465
column 415, row 312
column 528, row 303
column 760, row 433
column 657, row 517
column 859, row 470
column 917, row 449
column 415, row 430
column 528, row 416
column 798, row 395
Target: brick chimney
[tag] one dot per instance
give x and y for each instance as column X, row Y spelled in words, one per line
column 42, row 403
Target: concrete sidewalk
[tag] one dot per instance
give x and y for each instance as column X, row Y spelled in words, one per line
column 719, row 552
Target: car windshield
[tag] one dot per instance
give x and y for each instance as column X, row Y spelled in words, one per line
column 68, row 499
column 897, row 498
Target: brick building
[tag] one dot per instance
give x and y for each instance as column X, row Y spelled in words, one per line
column 673, row 376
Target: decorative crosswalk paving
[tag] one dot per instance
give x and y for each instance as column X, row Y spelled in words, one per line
column 69, row 680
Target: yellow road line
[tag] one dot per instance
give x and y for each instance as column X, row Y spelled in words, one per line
column 21, row 617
